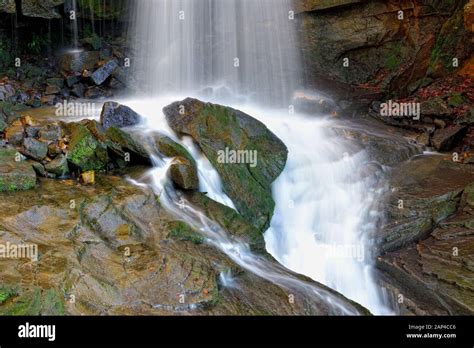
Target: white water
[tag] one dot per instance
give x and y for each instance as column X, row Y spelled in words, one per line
column 324, row 212
column 71, row 8
column 220, row 48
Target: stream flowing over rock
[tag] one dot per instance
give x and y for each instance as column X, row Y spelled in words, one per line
column 119, row 252
column 218, row 129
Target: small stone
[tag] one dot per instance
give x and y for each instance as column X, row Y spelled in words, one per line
column 34, row 149
column 51, row 133
column 27, row 121
column 55, row 82
column 117, row 115
column 58, row 166
column 104, row 72
column 32, row 132
column 88, row 178
column 72, row 80
column 184, row 174
column 14, row 134
column 78, row 90
column 40, row 170
column 52, row 90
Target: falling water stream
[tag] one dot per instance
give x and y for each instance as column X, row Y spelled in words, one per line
column 242, row 53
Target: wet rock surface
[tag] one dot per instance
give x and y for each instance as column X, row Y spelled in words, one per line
column 428, row 242
column 115, row 251
column 117, row 115
column 217, row 129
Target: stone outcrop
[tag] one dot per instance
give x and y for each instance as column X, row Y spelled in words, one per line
column 427, row 249
column 118, row 252
column 218, row 129
column 365, row 49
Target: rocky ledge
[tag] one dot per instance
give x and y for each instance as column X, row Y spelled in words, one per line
column 427, row 242
column 106, row 246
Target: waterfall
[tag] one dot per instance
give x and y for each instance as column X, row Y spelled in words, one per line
column 242, row 53
column 223, row 49
column 70, row 8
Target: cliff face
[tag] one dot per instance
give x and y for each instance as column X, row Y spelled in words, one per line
column 378, row 48
column 50, row 9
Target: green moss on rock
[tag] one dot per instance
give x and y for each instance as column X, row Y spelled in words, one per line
column 86, row 152
column 180, row 231
column 15, row 175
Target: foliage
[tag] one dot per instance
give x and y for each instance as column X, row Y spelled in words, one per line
column 38, row 43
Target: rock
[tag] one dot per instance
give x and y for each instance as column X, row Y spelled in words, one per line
column 127, row 145
column 72, row 80
column 94, row 93
column 34, row 149
column 54, row 150
column 76, row 62
column 384, row 145
column 48, row 99
column 85, row 151
column 6, row 92
column 182, row 232
column 78, row 90
column 434, row 275
column 40, row 170
column 55, row 82
column 377, row 45
column 3, row 125
column 44, row 9
column 184, row 174
column 104, row 72
column 58, row 166
column 51, row 133
column 50, row 90
column 218, row 128
column 14, row 134
column 88, row 178
column 27, row 121
column 430, row 194
column 435, row 106
column 120, row 253
column 15, row 175
column 229, row 219
column 7, row 6
column 169, row 148
column 445, row 139
column 117, row 115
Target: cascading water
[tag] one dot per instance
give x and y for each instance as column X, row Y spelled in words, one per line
column 71, row 10
column 241, row 52
column 224, row 49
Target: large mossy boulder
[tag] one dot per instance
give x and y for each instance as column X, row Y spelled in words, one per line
column 220, row 130
column 15, row 175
